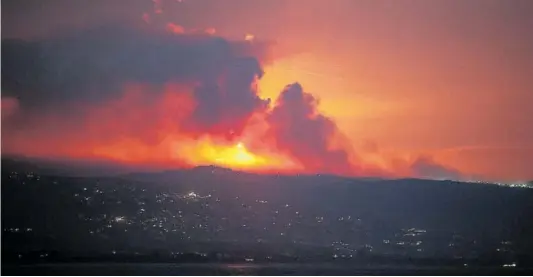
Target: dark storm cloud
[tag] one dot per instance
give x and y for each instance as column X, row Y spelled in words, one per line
column 92, row 65
column 299, row 130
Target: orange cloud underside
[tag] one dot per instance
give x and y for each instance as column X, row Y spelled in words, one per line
column 416, row 82
column 136, row 130
column 145, row 127
column 184, row 151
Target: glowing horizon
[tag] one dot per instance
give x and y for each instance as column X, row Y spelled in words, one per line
column 376, row 88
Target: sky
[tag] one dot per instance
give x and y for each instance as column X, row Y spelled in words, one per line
column 418, row 88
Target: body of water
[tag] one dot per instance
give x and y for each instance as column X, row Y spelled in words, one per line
column 243, row 269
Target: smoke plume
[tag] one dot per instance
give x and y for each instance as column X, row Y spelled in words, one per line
column 163, row 96
column 299, row 130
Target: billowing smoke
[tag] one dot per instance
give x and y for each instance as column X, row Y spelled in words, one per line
column 128, row 93
column 93, row 66
column 224, row 107
column 298, row 129
column 9, row 106
column 161, row 96
column 427, row 167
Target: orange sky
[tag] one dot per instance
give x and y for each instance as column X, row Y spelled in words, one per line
column 448, row 79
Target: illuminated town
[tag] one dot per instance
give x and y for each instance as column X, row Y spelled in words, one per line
column 245, row 221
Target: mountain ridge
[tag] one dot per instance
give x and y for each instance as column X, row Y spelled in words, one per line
column 105, row 168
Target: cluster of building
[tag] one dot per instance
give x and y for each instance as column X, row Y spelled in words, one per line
column 121, row 215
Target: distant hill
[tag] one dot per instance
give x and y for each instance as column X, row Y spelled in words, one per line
column 67, row 167
column 209, row 202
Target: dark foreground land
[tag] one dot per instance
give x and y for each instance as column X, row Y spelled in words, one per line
column 247, row 269
column 211, row 220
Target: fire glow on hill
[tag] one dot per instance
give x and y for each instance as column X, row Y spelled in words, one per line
column 146, row 95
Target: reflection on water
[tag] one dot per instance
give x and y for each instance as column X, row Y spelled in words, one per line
column 242, row 269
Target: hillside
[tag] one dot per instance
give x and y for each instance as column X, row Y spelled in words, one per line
column 213, row 209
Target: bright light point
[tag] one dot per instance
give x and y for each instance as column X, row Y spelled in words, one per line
column 240, row 155
column 235, row 156
column 249, row 37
